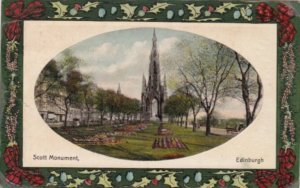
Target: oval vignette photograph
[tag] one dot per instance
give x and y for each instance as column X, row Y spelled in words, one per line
column 148, row 94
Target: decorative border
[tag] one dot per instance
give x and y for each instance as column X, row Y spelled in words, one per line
column 15, row 12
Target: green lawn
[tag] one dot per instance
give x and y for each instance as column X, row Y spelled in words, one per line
column 139, row 146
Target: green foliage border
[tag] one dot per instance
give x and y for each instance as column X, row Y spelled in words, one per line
column 92, row 15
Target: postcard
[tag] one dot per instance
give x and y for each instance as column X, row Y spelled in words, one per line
column 129, row 93
column 149, row 94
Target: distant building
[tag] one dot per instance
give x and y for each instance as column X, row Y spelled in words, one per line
column 119, row 89
column 52, row 109
column 50, row 105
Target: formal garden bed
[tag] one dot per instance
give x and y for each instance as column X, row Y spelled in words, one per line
column 141, row 142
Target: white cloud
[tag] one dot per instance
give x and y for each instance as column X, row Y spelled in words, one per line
column 106, row 51
column 127, row 69
column 134, row 56
column 167, row 44
column 90, row 68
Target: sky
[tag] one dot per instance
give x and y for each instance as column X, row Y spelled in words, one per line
column 122, row 57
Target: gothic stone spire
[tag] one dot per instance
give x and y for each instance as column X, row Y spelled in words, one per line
column 144, row 84
column 154, row 36
column 154, row 67
column 154, row 89
column 154, row 52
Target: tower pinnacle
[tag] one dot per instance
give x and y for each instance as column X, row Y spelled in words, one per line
column 154, row 36
column 154, row 53
column 154, row 67
column 144, row 84
column 119, row 89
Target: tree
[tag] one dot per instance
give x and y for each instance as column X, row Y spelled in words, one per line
column 48, row 79
column 125, row 107
column 60, row 81
column 205, row 66
column 63, row 83
column 177, row 106
column 101, row 103
column 88, row 92
column 112, row 105
column 194, row 103
column 120, row 105
column 250, row 86
column 72, row 85
column 131, row 107
column 170, row 108
column 135, row 107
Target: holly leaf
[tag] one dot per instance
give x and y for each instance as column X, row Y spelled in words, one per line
column 75, row 184
column 103, row 180
column 78, row 181
column 226, row 6
column 158, row 7
column 158, row 171
column 70, row 18
column 195, row 11
column 89, row 171
column 142, row 19
column 238, row 181
column 72, row 185
column 87, row 7
column 61, row 9
column 144, row 182
column 128, row 10
column 244, row 14
column 211, row 183
column 171, row 180
column 55, row 173
column 209, row 19
column 52, row 184
column 232, row 172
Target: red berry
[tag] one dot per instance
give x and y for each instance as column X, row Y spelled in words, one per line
column 77, row 6
column 88, row 181
column 222, row 183
column 211, row 8
column 145, row 9
column 155, row 181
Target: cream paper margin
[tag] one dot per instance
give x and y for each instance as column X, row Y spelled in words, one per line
column 256, row 42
